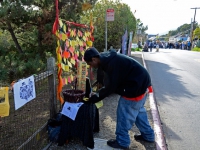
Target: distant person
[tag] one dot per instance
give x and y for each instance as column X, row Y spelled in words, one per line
column 188, row 45
column 145, row 48
column 183, row 45
column 129, row 79
column 157, row 47
column 151, row 46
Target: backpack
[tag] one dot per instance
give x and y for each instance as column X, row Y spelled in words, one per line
column 53, row 127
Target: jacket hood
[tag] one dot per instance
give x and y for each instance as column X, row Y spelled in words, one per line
column 106, row 57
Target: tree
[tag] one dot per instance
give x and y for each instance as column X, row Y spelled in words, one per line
column 124, row 19
column 196, row 33
column 141, row 27
column 26, row 27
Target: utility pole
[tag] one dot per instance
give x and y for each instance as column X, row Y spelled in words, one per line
column 106, row 32
column 192, row 26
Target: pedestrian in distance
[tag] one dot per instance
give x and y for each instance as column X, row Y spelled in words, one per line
column 188, row 45
column 157, row 48
column 151, row 46
column 129, row 79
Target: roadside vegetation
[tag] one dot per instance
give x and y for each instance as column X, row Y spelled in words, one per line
column 196, row 35
column 26, row 38
column 136, row 49
column 197, row 49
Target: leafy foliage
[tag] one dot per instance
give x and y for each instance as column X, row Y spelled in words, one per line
column 26, row 38
column 141, row 27
column 26, row 34
column 197, row 49
column 183, row 29
column 196, row 33
column 124, row 19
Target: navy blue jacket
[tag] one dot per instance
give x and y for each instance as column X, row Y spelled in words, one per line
column 123, row 75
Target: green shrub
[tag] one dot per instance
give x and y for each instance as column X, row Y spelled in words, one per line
column 136, row 49
column 197, row 49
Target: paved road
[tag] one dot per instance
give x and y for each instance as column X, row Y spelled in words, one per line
column 176, row 81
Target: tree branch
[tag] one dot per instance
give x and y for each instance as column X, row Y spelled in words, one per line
column 10, row 29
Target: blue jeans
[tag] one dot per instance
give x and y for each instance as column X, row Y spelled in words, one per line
column 128, row 113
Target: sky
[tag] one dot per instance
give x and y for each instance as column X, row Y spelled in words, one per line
column 162, row 16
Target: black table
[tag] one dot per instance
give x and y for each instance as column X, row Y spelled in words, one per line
column 83, row 127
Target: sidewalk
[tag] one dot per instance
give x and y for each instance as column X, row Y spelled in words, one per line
column 107, row 119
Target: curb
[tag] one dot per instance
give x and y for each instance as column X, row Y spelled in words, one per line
column 159, row 135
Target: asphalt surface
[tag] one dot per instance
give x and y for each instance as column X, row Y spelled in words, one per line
column 175, row 77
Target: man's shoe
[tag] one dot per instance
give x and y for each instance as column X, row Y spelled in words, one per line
column 114, row 144
column 140, row 138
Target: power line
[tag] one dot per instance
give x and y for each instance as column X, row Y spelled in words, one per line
column 195, row 12
column 192, row 26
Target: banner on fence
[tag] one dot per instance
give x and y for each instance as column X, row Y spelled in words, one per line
column 4, row 102
column 130, row 43
column 24, row 91
column 124, row 43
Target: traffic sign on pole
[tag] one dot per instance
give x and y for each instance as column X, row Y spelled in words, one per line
column 110, row 13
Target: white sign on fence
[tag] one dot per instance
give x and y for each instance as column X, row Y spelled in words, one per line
column 110, row 13
column 24, row 91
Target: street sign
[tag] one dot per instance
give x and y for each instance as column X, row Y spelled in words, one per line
column 110, row 15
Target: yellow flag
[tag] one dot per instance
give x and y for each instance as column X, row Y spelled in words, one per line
column 73, row 61
column 66, row 81
column 56, row 33
column 4, row 106
column 64, row 28
column 82, row 53
column 64, row 37
column 84, row 38
column 77, row 53
column 77, row 39
column 86, row 6
column 89, row 43
column 72, row 43
column 64, row 59
column 81, row 43
column 63, row 66
column 60, row 23
column 72, row 78
column 59, row 58
column 67, row 68
column 69, row 64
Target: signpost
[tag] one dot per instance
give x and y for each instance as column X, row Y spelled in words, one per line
column 110, row 13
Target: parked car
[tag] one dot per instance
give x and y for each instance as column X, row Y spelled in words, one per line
column 134, row 45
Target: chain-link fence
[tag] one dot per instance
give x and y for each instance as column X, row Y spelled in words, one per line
column 25, row 128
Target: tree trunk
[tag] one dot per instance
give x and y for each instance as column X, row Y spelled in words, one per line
column 10, row 29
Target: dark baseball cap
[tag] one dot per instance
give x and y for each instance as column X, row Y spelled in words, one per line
column 89, row 53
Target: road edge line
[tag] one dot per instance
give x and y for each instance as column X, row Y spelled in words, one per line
column 158, row 130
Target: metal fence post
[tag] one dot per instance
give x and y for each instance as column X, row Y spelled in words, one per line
column 52, row 86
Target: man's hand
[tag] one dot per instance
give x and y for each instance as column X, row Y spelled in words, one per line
column 94, row 98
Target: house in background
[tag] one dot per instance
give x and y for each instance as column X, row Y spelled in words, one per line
column 182, row 37
column 151, row 35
